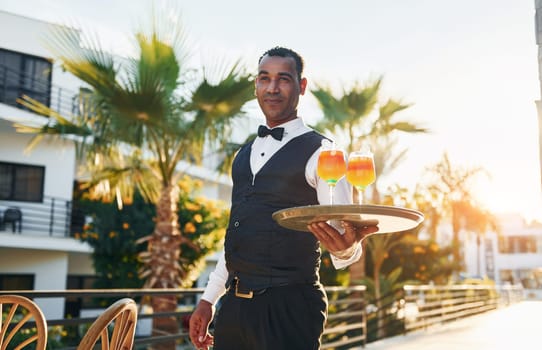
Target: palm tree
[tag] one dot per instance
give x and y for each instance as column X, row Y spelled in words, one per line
column 344, row 115
column 351, row 117
column 453, row 186
column 141, row 118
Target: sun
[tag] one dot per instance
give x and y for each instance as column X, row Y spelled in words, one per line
column 509, row 199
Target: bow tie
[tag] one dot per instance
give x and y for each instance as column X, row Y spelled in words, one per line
column 277, row 133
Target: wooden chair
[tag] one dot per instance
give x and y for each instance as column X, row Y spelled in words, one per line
column 122, row 315
column 15, row 312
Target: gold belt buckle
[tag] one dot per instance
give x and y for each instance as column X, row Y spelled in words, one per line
column 239, row 294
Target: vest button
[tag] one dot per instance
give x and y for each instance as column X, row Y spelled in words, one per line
column 236, row 224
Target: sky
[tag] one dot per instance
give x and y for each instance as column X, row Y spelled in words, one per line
column 468, row 67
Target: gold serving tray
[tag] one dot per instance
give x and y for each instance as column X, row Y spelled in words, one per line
column 388, row 218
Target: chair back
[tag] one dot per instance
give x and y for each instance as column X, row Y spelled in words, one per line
column 14, row 216
column 122, row 316
column 15, row 312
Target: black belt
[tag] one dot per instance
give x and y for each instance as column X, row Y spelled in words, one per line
column 244, row 293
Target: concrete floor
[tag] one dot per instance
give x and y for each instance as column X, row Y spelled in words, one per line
column 517, row 326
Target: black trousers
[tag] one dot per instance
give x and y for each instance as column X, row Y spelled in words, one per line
column 281, row 318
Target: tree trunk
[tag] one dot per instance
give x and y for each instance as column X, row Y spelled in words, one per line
column 380, row 332
column 167, row 325
column 456, row 248
column 163, row 267
column 357, row 270
column 478, row 269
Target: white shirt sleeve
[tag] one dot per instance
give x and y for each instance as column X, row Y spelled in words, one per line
column 216, row 285
column 342, row 263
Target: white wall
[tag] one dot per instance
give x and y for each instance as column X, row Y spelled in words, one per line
column 58, row 157
column 473, row 256
column 49, row 269
column 80, row 264
column 23, row 40
column 519, row 261
column 29, row 36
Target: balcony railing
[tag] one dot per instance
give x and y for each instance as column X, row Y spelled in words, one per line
column 53, row 217
column 15, row 84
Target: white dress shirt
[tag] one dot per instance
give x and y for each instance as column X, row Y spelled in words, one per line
column 262, row 150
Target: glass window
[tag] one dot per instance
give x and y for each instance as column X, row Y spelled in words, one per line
column 74, row 304
column 16, row 282
column 507, row 276
column 22, row 74
column 517, row 244
column 527, row 278
column 21, row 182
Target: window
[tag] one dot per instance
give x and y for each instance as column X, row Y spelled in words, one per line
column 22, row 74
column 21, row 182
column 507, row 276
column 74, row 304
column 517, row 244
column 16, row 282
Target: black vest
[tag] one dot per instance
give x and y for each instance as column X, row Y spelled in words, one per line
column 258, row 251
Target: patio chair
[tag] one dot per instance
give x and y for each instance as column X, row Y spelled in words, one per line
column 16, row 311
column 14, row 216
column 122, row 316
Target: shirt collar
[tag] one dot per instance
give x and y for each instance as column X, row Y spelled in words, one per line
column 292, row 125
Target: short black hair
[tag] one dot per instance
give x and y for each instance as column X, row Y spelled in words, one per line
column 285, row 52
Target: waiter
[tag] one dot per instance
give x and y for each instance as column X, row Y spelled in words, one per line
column 268, row 275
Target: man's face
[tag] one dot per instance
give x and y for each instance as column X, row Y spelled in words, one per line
column 278, row 89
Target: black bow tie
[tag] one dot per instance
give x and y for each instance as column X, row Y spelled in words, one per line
column 277, row 133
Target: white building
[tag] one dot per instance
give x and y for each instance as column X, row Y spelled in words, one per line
column 514, row 256
column 40, row 253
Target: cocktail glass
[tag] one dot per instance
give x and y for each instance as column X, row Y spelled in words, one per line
column 361, row 170
column 331, row 165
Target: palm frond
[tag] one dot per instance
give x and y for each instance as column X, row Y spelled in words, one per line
column 350, row 111
column 55, row 124
column 118, row 175
column 216, row 105
column 361, row 100
column 83, row 56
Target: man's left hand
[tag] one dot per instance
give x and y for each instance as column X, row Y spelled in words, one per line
column 334, row 241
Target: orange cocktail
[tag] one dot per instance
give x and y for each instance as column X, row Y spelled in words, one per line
column 361, row 171
column 331, row 166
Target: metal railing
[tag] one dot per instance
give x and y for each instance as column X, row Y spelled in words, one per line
column 52, row 217
column 345, row 327
column 14, row 84
column 352, row 322
column 432, row 305
column 347, row 322
column 419, row 307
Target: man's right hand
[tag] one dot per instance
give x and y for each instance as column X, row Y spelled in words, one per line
column 199, row 325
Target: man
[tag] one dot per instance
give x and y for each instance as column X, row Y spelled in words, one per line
column 274, row 299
